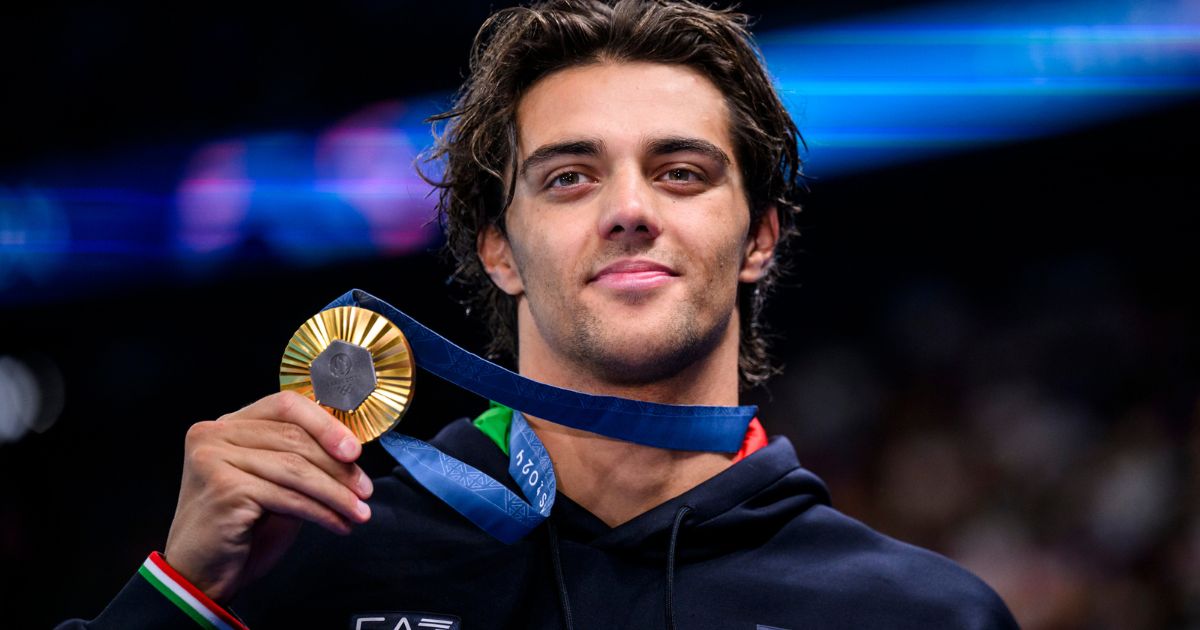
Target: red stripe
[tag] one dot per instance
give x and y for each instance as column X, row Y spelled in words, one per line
column 161, row 563
column 756, row 438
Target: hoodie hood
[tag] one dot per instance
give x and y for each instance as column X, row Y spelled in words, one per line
column 746, row 503
column 739, row 508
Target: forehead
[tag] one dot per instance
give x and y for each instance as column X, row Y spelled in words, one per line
column 624, row 105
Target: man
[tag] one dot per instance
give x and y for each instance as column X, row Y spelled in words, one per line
column 617, row 181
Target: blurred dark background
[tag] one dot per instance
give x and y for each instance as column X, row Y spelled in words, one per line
column 991, row 332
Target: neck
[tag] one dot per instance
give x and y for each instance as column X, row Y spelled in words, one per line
column 617, row 480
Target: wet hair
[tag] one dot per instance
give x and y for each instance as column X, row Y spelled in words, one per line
column 476, row 140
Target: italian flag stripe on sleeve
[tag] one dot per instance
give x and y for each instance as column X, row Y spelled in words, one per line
column 188, row 598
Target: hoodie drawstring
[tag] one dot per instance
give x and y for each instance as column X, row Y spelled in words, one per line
column 683, row 510
column 564, row 602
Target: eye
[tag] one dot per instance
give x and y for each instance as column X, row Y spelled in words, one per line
column 683, row 175
column 567, row 179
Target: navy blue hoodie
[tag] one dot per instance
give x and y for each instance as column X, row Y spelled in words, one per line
column 756, row 547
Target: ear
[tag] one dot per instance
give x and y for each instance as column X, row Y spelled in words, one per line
column 496, row 256
column 760, row 247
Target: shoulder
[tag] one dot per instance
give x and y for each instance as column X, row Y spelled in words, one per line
column 891, row 577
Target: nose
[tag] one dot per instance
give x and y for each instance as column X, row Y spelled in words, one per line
column 629, row 211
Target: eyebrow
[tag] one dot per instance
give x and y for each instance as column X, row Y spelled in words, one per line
column 546, row 152
column 678, row 144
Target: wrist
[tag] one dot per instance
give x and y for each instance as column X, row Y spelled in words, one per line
column 186, row 595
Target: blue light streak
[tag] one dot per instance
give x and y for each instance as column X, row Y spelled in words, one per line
column 927, row 81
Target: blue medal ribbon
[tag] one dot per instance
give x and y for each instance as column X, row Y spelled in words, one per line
column 483, row 500
column 490, row 504
column 675, row 427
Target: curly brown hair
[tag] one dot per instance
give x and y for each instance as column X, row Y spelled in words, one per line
column 517, row 46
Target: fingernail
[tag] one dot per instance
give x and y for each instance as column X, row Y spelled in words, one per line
column 362, row 510
column 346, row 447
column 364, row 485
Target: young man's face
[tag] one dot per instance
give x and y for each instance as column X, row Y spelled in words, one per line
column 629, row 228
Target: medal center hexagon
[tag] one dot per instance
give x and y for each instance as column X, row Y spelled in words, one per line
column 343, row 375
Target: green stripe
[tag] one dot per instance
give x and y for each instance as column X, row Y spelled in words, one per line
column 495, row 423
column 169, row 594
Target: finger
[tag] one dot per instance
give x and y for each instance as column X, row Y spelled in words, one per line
column 267, row 435
column 294, row 473
column 333, row 436
column 281, row 500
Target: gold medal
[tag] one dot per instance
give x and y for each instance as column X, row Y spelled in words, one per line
column 356, row 364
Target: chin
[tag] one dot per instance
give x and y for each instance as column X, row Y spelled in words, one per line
column 651, row 354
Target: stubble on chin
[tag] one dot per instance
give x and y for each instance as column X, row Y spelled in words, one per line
column 622, row 358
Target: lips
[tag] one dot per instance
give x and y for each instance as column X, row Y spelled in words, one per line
column 634, row 275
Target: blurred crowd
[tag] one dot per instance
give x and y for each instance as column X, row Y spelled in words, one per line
column 1047, row 439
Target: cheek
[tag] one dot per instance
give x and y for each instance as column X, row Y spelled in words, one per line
column 543, row 261
column 723, row 248
column 719, row 261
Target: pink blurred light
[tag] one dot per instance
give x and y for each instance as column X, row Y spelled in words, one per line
column 367, row 160
column 214, row 197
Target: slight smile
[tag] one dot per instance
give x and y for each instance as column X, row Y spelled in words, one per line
column 634, row 275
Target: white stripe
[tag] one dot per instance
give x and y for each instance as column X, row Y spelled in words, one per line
column 187, row 597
